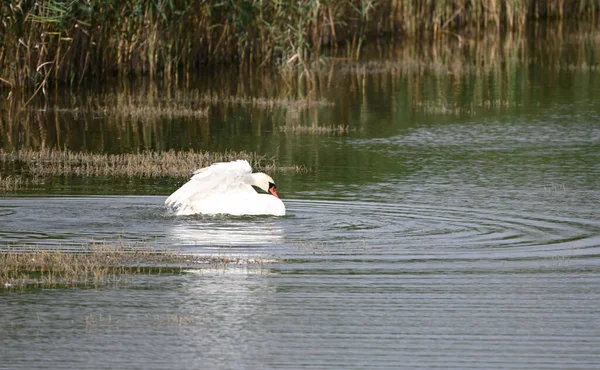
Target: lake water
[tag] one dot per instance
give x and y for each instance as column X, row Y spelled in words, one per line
column 453, row 223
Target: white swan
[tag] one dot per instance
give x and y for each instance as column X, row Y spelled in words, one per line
column 226, row 187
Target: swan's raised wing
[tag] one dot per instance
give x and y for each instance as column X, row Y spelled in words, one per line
column 215, row 179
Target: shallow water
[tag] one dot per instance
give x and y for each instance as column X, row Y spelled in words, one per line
column 421, row 239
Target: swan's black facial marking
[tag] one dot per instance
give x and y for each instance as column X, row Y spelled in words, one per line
column 272, row 188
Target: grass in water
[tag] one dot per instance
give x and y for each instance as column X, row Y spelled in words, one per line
column 38, row 164
column 265, row 102
column 315, row 130
column 148, row 112
column 99, row 265
column 15, row 182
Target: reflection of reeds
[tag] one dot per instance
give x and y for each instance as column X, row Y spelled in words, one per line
column 488, row 53
column 98, row 265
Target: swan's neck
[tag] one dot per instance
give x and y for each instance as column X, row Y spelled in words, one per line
column 260, row 180
column 251, row 179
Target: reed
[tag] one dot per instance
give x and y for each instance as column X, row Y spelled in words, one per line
column 266, row 103
column 38, row 165
column 50, row 162
column 11, row 183
column 93, row 266
column 99, row 264
column 149, row 112
column 316, row 130
column 69, row 40
column 443, row 107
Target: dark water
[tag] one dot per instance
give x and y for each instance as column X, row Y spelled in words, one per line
column 455, row 225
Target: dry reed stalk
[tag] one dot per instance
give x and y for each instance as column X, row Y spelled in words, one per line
column 267, row 103
column 445, row 108
column 315, row 130
column 12, row 183
column 57, row 40
column 50, row 162
column 149, row 112
column 99, row 264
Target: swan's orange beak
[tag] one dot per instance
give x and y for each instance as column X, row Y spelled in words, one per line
column 272, row 191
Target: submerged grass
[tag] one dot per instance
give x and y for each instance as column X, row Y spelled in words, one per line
column 99, row 265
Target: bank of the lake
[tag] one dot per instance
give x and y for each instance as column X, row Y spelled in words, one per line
column 74, row 41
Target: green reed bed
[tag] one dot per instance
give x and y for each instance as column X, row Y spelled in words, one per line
column 68, row 40
column 99, row 265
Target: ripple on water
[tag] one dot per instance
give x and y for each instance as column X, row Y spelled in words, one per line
column 416, row 232
column 365, row 235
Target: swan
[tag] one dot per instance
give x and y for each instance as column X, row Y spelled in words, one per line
column 227, row 187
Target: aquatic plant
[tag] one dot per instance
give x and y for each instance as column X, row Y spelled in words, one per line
column 49, row 40
column 40, row 164
column 146, row 112
column 51, row 162
column 95, row 265
column 15, row 182
column 100, row 264
column 315, row 130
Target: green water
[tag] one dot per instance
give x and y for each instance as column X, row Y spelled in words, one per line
column 448, row 218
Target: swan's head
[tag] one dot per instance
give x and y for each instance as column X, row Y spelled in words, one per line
column 264, row 182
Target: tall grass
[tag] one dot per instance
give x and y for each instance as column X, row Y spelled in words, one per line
column 145, row 115
column 69, row 40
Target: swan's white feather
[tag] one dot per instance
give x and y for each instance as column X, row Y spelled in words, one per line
column 222, row 188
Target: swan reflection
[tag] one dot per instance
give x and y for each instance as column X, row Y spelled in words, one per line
column 231, row 312
column 227, row 232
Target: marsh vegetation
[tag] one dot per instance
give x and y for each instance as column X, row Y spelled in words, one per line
column 37, row 165
column 155, row 131
column 100, row 264
column 50, row 40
